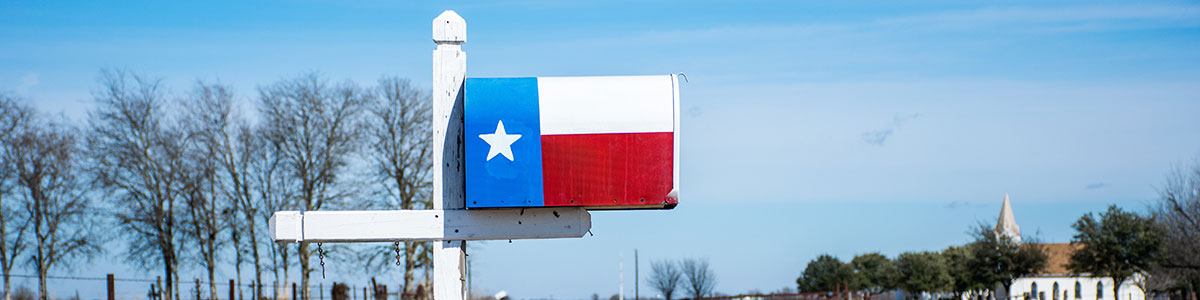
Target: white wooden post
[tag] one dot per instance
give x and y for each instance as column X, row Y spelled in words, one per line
column 449, row 69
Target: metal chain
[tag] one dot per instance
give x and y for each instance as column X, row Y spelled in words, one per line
column 321, row 256
column 398, row 263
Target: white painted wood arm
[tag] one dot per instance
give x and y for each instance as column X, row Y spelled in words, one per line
column 429, row 225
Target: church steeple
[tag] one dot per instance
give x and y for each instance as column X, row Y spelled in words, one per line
column 1006, row 225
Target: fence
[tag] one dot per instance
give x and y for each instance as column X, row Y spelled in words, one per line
column 799, row 296
column 198, row 289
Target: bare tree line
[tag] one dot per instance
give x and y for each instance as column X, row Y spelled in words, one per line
column 189, row 181
column 48, row 217
column 1178, row 212
column 693, row 275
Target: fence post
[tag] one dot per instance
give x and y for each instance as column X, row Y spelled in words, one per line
column 449, row 70
column 111, row 294
column 232, row 287
column 294, row 291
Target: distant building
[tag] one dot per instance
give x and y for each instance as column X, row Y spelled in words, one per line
column 1056, row 282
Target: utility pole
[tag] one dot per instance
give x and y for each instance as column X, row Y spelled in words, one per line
column 621, row 276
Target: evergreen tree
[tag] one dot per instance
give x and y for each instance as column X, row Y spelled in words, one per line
column 1119, row 244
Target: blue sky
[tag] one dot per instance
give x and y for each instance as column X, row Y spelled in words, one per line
column 809, row 127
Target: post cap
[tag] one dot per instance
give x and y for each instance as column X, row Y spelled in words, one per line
column 449, row 27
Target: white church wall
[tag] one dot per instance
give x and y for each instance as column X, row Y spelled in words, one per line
column 1066, row 287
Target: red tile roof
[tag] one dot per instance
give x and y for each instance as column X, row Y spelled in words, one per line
column 1057, row 257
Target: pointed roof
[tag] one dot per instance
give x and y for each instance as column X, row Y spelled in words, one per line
column 1007, row 224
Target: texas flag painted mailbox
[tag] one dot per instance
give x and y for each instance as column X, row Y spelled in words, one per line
column 606, row 142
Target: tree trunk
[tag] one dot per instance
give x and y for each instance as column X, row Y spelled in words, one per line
column 44, row 292
column 304, row 267
column 212, row 238
column 168, row 245
column 1116, row 287
column 274, row 270
column 410, row 264
column 4, row 252
column 254, row 254
column 176, row 270
column 257, row 290
column 41, row 246
column 284, row 256
column 168, row 270
column 237, row 265
column 212, row 282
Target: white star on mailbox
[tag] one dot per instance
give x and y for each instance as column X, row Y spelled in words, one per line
column 500, row 142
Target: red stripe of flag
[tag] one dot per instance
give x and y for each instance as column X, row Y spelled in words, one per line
column 607, row 169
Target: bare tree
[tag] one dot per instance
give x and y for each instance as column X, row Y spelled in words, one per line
column 1178, row 212
column 209, row 108
column 46, row 160
column 273, row 186
column 236, row 228
column 401, row 150
column 137, row 159
column 237, row 163
column 203, row 220
column 317, row 127
column 13, row 223
column 235, row 146
column 700, row 278
column 664, row 277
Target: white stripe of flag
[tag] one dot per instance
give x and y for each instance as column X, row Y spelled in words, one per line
column 606, row 104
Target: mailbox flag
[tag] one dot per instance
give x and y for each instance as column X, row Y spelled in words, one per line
column 600, row 142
